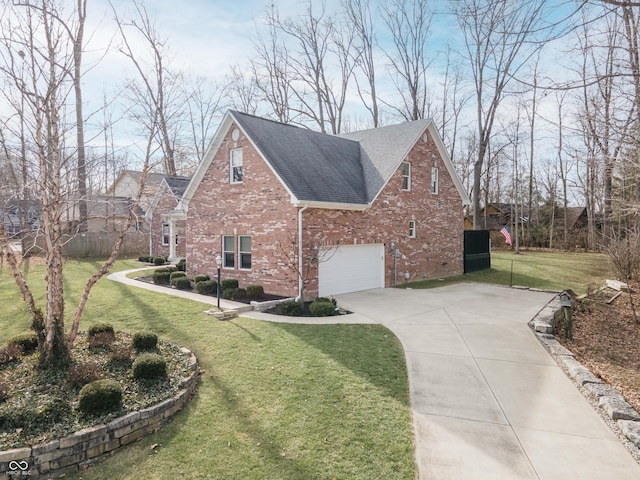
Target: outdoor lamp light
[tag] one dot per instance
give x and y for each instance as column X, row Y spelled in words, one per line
column 218, row 264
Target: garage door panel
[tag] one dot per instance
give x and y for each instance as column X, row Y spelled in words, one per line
column 351, row 268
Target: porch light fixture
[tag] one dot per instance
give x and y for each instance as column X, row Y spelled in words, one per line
column 218, row 264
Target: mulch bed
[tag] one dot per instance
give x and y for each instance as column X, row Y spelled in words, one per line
column 606, row 339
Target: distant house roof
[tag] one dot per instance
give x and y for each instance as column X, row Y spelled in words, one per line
column 324, row 169
column 177, row 185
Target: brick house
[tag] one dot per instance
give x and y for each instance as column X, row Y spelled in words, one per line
column 373, row 208
column 166, row 238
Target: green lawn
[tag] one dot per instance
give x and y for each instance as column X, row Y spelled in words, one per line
column 276, row 401
column 547, row 270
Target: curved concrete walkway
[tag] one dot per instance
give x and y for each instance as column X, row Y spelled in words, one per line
column 488, row 401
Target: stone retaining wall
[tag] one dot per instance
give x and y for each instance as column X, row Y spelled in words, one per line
column 76, row 451
column 608, row 399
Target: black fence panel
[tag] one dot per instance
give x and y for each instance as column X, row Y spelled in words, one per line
column 477, row 255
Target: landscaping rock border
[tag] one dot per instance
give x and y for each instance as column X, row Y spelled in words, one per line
column 609, row 402
column 80, row 449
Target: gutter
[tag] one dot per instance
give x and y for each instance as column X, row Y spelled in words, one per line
column 299, row 297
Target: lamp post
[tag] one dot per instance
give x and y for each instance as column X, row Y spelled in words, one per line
column 218, row 264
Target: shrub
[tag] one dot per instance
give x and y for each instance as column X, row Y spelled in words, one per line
column 149, row 366
column 201, row 278
column 101, row 328
column 177, row 274
column 10, row 353
column 228, row 283
column 54, row 410
column 144, row 259
column 100, row 396
column 80, row 374
column 101, row 340
column 144, row 341
column 27, row 341
column 327, row 299
column 162, row 278
column 181, row 283
column 322, row 309
column 182, row 265
column 234, row 293
column 255, row 291
column 208, row 287
column 291, row 308
column 159, row 261
column 162, row 270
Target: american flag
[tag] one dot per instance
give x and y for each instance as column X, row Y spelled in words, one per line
column 505, row 233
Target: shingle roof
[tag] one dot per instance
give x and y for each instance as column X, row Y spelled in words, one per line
column 177, row 185
column 314, row 166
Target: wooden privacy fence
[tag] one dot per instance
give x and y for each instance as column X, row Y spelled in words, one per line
column 100, row 244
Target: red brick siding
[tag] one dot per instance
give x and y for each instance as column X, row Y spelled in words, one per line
column 261, row 207
column 437, row 249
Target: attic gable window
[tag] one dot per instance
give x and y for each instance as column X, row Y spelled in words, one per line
column 235, row 166
column 434, row 180
column 406, row 176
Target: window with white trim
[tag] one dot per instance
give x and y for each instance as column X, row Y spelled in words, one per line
column 434, row 180
column 412, row 229
column 244, row 252
column 235, row 166
column 406, row 176
column 165, row 234
column 228, row 251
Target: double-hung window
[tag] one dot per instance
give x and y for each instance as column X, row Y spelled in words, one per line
column 228, row 251
column 406, row 176
column 244, row 252
column 235, row 166
column 165, row 234
column 412, row 229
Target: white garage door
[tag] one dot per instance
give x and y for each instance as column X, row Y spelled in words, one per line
column 351, row 268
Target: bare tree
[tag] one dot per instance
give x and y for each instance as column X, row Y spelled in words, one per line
column 358, row 12
column 500, row 37
column 243, row 89
column 37, row 60
column 409, row 22
column 158, row 91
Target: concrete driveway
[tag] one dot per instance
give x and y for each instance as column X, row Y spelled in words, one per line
column 488, row 401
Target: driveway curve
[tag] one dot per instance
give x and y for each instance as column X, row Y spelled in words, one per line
column 488, row 402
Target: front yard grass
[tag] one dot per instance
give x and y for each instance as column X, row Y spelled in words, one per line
column 275, row 401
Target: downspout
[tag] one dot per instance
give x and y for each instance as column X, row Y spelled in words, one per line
column 299, row 297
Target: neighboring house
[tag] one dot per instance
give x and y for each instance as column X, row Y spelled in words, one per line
column 166, row 238
column 128, row 185
column 20, row 216
column 373, row 208
column 105, row 214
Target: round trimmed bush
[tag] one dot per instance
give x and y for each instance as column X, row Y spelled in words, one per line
column 327, row 299
column 27, row 341
column 201, row 278
column 228, row 283
column 162, row 270
column 207, row 287
column 322, row 309
column 291, row 308
column 162, row 278
column 177, row 274
column 100, row 328
column 144, row 259
column 149, row 366
column 255, row 291
column 182, row 265
column 159, row 261
column 144, row 341
column 100, row 396
column 181, row 283
column 234, row 293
